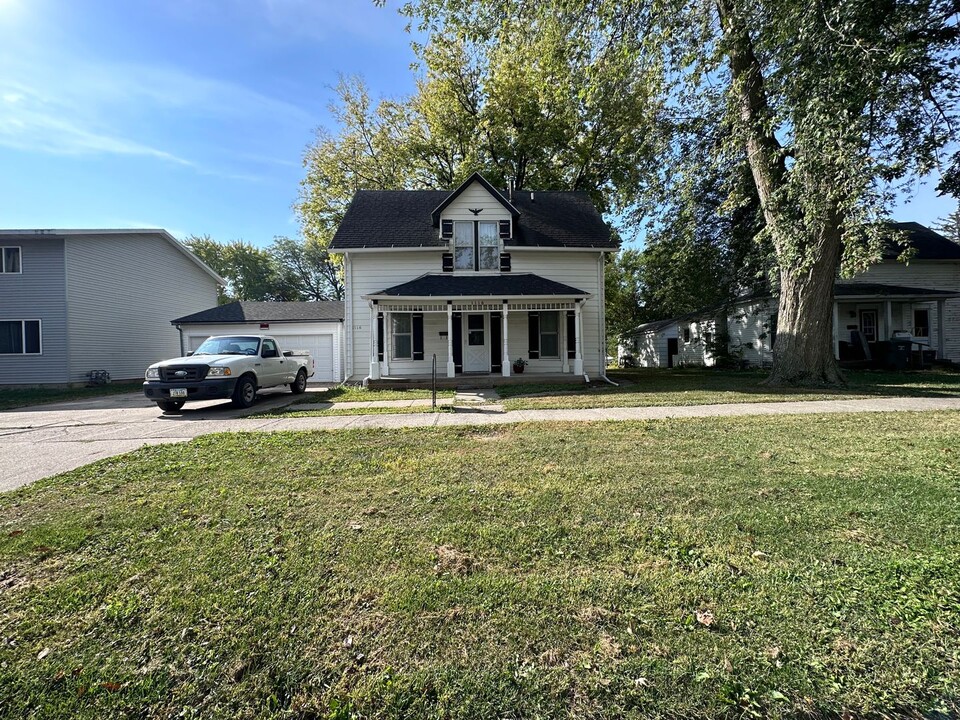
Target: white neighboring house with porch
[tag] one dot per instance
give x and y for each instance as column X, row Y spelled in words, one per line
column 478, row 278
column 919, row 301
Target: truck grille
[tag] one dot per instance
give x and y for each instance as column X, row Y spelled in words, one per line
column 184, row 373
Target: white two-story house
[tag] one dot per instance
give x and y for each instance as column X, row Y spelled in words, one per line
column 477, row 278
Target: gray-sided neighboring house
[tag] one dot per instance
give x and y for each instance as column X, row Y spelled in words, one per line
column 917, row 302
column 313, row 326
column 76, row 301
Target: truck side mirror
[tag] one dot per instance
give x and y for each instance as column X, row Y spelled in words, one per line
column 189, row 353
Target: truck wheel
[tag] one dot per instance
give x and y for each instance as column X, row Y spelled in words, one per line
column 245, row 393
column 299, row 385
column 169, row 406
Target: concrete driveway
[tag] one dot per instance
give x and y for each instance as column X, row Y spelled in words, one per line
column 43, row 440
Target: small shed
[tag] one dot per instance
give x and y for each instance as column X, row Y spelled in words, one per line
column 652, row 344
column 313, row 326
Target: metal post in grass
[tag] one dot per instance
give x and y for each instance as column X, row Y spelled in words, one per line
column 433, row 381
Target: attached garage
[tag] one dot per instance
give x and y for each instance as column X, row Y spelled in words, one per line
column 313, row 326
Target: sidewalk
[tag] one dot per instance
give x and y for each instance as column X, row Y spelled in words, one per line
column 28, row 453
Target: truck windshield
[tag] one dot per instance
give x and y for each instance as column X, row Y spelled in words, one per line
column 229, row 345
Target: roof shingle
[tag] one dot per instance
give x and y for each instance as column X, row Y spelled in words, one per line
column 246, row 311
column 481, row 286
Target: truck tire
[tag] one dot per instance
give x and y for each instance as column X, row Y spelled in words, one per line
column 170, row 406
column 299, row 385
column 245, row 393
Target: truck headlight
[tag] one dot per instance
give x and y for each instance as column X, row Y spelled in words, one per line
column 152, row 374
column 219, row 372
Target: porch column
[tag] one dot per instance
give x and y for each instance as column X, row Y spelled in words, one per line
column 836, row 329
column 451, row 367
column 386, row 343
column 374, row 350
column 505, row 361
column 941, row 349
column 577, row 322
column 888, row 316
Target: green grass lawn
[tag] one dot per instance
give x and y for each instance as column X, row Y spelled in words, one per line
column 687, row 568
column 11, row 398
column 700, row 386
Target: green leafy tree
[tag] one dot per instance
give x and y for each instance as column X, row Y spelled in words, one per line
column 949, row 226
column 306, row 266
column 251, row 273
column 833, row 105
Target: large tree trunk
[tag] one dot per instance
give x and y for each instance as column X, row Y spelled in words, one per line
column 804, row 350
column 804, row 345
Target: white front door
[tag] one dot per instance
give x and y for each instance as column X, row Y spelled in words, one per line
column 476, row 343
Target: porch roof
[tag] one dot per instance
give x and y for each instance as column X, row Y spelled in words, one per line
column 521, row 285
column 875, row 291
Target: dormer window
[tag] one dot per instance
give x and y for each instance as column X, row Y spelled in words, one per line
column 476, row 245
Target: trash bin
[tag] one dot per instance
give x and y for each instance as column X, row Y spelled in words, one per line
column 899, row 354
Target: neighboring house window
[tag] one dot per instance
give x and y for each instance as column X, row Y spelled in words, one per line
column 921, row 323
column 402, row 333
column 476, row 246
column 686, row 335
column 20, row 337
column 549, row 335
column 10, row 260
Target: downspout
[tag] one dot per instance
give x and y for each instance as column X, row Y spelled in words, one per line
column 180, row 331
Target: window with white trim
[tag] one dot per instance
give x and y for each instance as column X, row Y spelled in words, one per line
column 10, row 260
column 549, row 335
column 20, row 337
column 401, row 329
column 476, row 245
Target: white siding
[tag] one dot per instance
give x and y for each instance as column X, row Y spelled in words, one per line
column 475, row 196
column 122, row 293
column 324, row 340
column 650, row 349
column 748, row 327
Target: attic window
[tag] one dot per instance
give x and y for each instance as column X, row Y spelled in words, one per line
column 476, row 246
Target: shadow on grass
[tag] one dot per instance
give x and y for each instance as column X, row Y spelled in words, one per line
column 927, row 383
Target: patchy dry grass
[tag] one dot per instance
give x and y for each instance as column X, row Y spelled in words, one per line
column 780, row 566
column 352, row 393
column 706, row 386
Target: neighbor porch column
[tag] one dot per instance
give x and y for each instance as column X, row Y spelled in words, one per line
column 374, row 350
column 577, row 323
column 836, row 329
column 941, row 348
column 451, row 367
column 505, row 358
column 888, row 316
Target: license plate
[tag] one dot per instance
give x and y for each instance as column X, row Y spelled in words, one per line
column 178, row 392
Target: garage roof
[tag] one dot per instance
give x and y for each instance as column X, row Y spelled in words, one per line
column 246, row 311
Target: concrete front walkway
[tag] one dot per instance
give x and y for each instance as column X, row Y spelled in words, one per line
column 45, row 440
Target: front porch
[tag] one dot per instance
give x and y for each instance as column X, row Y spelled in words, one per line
column 471, row 381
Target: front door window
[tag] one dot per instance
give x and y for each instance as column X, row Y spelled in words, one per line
column 868, row 325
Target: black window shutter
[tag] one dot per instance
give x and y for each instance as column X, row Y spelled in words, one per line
column 457, row 342
column 446, row 229
column 417, row 324
column 504, row 262
column 448, row 262
column 496, row 342
column 571, row 335
column 504, row 229
column 533, row 334
column 380, row 336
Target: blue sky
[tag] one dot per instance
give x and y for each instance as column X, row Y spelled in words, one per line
column 191, row 115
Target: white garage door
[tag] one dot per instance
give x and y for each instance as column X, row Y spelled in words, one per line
column 320, row 346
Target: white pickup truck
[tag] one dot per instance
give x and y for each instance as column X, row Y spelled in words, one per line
column 227, row 366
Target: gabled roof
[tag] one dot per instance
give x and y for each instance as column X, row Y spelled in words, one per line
column 929, row 244
column 383, row 219
column 247, row 311
column 879, row 290
column 475, row 178
column 499, row 286
column 66, row 234
column 655, row 326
